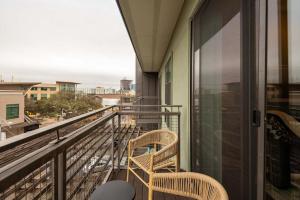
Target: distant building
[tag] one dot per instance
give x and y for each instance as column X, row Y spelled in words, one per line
column 11, row 107
column 42, row 91
column 19, row 86
column 65, row 86
column 45, row 90
column 100, row 90
column 110, row 91
column 12, row 101
column 125, row 84
column 91, row 91
column 13, row 121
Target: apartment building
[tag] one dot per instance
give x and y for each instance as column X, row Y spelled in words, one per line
column 45, row 90
column 42, row 91
column 233, row 66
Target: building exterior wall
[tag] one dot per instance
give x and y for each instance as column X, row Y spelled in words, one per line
column 39, row 93
column 11, row 97
column 179, row 50
column 146, row 82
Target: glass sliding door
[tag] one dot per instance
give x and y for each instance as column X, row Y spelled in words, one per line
column 282, row 132
column 216, row 142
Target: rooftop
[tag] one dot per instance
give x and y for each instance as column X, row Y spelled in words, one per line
column 45, row 85
column 70, row 82
column 18, row 83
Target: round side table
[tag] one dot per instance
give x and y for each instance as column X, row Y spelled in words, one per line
column 114, row 190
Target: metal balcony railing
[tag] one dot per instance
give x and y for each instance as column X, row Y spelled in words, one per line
column 68, row 159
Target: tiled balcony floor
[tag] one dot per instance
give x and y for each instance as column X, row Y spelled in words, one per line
column 141, row 190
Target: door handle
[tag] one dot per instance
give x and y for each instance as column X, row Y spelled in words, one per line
column 256, row 118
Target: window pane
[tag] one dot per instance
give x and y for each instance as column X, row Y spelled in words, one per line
column 12, row 111
column 282, row 138
column 217, row 138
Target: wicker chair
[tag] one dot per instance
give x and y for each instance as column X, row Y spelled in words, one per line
column 150, row 162
column 187, row 184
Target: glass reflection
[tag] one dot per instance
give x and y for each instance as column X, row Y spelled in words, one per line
column 283, row 101
column 216, row 139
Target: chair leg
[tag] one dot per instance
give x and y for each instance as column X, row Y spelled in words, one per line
column 128, row 171
column 177, row 168
column 150, row 189
column 150, row 194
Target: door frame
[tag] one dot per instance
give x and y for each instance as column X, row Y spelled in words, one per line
column 261, row 46
column 251, row 122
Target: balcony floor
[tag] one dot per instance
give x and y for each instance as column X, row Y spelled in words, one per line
column 141, row 189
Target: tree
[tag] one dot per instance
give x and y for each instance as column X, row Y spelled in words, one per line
column 65, row 102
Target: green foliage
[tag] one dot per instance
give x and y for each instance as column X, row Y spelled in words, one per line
column 67, row 102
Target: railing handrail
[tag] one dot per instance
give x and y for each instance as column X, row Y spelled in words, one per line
column 147, row 97
column 30, row 135
column 162, row 106
column 10, row 174
column 147, row 113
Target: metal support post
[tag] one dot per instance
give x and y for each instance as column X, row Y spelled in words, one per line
column 113, row 144
column 59, row 176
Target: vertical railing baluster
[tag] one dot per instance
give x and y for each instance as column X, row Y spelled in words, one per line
column 112, row 144
column 178, row 154
column 59, row 176
column 119, row 141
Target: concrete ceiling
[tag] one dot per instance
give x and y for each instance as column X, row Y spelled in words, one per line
column 150, row 24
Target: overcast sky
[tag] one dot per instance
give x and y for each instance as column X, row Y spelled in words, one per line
column 72, row 40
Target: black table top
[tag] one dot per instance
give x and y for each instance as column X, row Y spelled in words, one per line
column 114, row 190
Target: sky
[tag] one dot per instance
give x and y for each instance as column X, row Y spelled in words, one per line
column 71, row 40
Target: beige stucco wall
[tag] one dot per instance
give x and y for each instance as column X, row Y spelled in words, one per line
column 179, row 49
column 7, row 97
column 39, row 91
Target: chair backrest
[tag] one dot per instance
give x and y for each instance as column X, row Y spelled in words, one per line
column 169, row 140
column 166, row 138
column 163, row 137
column 189, row 184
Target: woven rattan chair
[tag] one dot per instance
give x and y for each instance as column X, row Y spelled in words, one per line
column 187, row 184
column 150, row 162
